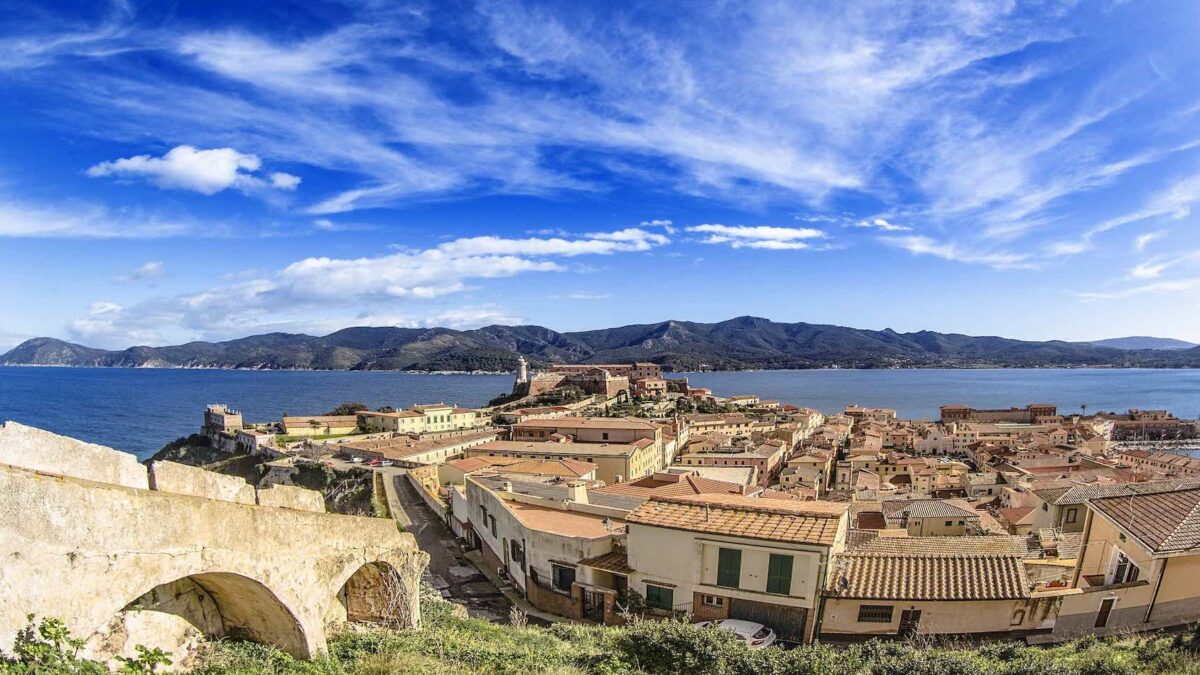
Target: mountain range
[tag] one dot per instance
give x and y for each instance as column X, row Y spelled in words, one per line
column 737, row 344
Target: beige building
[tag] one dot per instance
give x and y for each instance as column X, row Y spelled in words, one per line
column 419, row 419
column 617, row 462
column 931, row 592
column 728, row 556
column 1138, row 565
column 319, row 425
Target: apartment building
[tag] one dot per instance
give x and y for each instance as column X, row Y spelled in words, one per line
column 616, row 462
column 755, row 559
column 419, row 419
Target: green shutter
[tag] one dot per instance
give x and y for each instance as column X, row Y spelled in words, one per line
column 660, row 597
column 779, row 574
column 729, row 567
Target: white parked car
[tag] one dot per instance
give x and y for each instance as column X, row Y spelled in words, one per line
column 755, row 635
column 356, row 460
column 387, row 462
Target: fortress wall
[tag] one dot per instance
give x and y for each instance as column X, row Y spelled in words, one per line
column 291, row 497
column 190, row 480
column 39, row 450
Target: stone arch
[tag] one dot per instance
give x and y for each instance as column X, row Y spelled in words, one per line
column 372, row 593
column 179, row 614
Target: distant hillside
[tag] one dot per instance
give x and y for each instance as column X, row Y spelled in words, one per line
column 1143, row 342
column 738, row 344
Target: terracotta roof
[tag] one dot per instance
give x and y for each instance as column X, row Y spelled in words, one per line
column 804, row 522
column 1166, row 522
column 564, row 523
column 616, row 562
column 951, row 576
column 970, row 545
column 1081, row 493
column 554, row 448
column 925, row 508
column 588, row 423
column 1017, row 514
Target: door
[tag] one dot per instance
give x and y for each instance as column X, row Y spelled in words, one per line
column 593, row 606
column 1105, row 610
column 910, row 621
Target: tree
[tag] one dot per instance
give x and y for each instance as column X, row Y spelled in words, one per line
column 348, row 408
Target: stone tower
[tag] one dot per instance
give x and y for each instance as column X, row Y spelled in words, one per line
column 522, row 370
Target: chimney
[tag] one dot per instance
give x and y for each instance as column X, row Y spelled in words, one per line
column 577, row 492
column 507, row 485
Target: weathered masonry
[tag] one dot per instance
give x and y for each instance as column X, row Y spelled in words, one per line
column 169, row 555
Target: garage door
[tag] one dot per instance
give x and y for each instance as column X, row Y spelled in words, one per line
column 787, row 622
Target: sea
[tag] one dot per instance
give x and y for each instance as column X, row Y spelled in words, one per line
column 138, row 410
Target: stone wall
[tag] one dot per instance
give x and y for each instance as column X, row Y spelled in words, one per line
column 291, row 497
column 124, row 565
column 39, row 450
column 190, row 480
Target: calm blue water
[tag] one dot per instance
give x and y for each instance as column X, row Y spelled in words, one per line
column 138, row 410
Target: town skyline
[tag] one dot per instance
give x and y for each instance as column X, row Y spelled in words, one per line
column 208, row 171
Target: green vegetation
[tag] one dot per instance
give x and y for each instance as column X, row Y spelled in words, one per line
column 48, row 647
column 350, row 492
column 451, row 644
column 348, row 408
column 379, row 496
column 194, row 450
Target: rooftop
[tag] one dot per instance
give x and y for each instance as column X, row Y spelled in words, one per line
column 588, row 423
column 801, row 522
column 925, row 576
column 556, row 448
column 1164, row 522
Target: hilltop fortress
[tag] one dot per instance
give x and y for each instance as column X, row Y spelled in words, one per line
column 168, row 555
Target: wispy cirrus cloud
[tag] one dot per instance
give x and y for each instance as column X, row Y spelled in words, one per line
column 922, row 245
column 759, row 236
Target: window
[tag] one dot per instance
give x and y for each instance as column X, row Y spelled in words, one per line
column 562, row 577
column 492, row 521
column 660, row 597
column 516, row 554
column 779, row 574
column 1045, row 506
column 1072, row 514
column 874, row 613
column 712, row 600
column 729, row 567
column 1125, row 571
column 949, row 523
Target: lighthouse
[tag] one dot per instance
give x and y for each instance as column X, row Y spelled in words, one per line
column 522, row 370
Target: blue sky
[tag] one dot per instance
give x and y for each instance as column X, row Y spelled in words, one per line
column 199, row 170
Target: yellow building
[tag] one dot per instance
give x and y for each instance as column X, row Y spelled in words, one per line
column 722, row 556
column 419, row 419
column 1138, row 565
column 319, row 425
column 616, row 462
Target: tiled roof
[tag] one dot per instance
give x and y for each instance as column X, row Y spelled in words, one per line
column 569, row 468
column 1082, row 493
column 1017, row 514
column 972, row 545
column 951, row 576
column 1165, row 522
column 805, row 522
column 587, row 423
column 925, row 508
column 616, row 562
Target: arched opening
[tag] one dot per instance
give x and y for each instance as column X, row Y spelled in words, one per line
column 373, row 594
column 179, row 615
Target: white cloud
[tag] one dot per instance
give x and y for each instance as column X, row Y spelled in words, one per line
column 205, row 171
column 284, row 181
column 582, row 295
column 1144, row 240
column 921, row 245
column 758, row 236
column 882, row 225
column 149, row 271
column 318, row 290
column 85, row 220
column 1156, row 288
